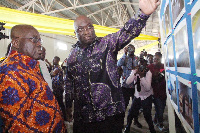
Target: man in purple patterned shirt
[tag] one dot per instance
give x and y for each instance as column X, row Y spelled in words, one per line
column 92, row 77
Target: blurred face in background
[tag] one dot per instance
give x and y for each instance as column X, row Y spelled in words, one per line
column 150, row 59
column 56, row 61
column 157, row 59
column 131, row 50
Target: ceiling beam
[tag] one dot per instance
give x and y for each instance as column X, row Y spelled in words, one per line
column 72, row 10
column 132, row 11
column 89, row 4
column 130, row 3
column 119, row 13
column 37, row 3
column 43, row 7
column 95, row 18
column 14, row 2
column 26, row 5
column 122, row 14
column 48, row 9
column 108, row 16
column 51, row 5
column 108, row 7
column 17, row 4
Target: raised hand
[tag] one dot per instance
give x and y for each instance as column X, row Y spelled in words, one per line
column 148, row 6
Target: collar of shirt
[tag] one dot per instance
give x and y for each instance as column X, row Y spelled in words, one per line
column 97, row 39
column 24, row 61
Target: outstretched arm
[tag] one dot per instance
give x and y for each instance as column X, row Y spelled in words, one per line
column 133, row 27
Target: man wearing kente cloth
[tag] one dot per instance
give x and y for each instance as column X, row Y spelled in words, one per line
column 26, row 102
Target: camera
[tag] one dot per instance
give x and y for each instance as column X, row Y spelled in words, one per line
column 142, row 65
column 159, row 77
column 141, row 68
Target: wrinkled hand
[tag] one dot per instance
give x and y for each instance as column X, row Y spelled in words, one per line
column 69, row 114
column 148, row 6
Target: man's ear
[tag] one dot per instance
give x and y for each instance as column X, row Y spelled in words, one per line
column 15, row 43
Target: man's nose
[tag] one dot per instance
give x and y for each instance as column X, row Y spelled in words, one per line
column 39, row 43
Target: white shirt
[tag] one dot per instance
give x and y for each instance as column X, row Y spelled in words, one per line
column 46, row 73
column 145, row 83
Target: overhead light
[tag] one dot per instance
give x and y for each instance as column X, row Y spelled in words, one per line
column 62, row 46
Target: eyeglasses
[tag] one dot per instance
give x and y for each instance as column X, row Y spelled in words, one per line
column 81, row 29
column 33, row 39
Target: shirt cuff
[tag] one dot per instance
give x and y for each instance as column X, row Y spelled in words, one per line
column 143, row 16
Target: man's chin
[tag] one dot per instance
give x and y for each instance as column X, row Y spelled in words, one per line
column 87, row 43
column 36, row 57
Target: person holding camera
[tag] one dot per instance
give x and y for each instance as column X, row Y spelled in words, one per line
column 159, row 89
column 127, row 62
column 141, row 77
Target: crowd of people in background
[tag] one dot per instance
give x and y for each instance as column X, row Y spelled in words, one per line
column 146, row 75
column 32, row 89
column 142, row 79
column 27, row 102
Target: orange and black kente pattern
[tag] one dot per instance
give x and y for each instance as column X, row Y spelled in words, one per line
column 26, row 102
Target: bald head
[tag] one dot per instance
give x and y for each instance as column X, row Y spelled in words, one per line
column 79, row 21
column 84, row 31
column 26, row 40
column 21, row 30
